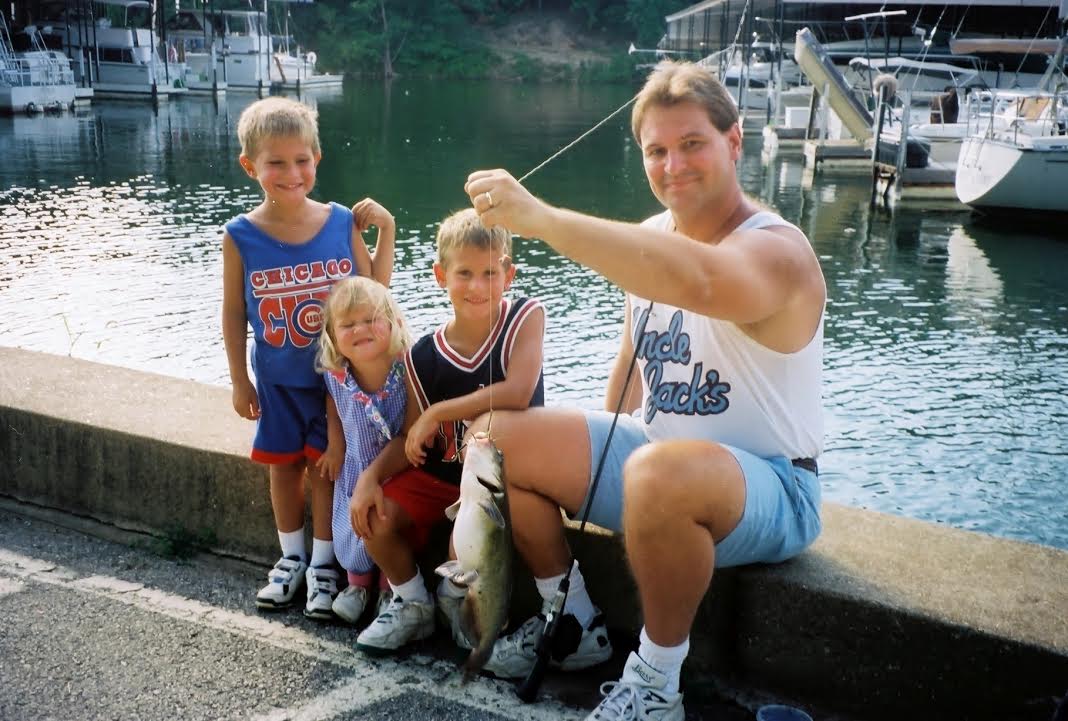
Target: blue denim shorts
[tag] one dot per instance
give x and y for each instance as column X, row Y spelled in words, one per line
column 782, row 501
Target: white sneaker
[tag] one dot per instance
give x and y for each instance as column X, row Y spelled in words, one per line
column 400, row 623
column 283, row 582
column 385, row 595
column 449, row 611
column 322, row 590
column 350, row 604
column 514, row 655
column 638, row 696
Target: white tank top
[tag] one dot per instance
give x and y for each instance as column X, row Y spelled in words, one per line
column 706, row 379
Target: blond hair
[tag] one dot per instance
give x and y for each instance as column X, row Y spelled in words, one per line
column 464, row 229
column 347, row 294
column 277, row 118
column 672, row 83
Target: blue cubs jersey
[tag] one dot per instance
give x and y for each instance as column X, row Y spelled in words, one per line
column 285, row 286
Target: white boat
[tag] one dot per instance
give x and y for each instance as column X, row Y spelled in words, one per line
column 749, row 83
column 34, row 79
column 922, row 78
column 237, row 48
column 117, row 50
column 1023, row 165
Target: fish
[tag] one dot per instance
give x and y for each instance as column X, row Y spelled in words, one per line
column 482, row 539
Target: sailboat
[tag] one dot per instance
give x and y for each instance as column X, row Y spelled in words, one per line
column 1021, row 164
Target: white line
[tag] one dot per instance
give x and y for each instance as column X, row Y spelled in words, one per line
column 372, row 680
column 9, row 586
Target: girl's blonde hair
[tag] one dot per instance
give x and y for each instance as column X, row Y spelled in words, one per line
column 277, row 117
column 348, row 293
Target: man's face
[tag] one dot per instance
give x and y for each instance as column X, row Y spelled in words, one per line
column 689, row 163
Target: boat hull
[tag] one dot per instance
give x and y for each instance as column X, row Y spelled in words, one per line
column 993, row 173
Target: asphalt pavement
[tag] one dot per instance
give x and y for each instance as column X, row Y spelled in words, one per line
column 119, row 628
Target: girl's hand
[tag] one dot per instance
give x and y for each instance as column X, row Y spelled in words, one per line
column 329, row 464
column 420, row 437
column 369, row 212
column 367, row 498
column 245, row 400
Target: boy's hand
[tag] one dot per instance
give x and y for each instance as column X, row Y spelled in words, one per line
column 366, row 498
column 329, row 464
column 246, row 402
column 369, row 212
column 420, row 437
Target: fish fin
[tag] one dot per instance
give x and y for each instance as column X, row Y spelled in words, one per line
column 494, row 514
column 483, row 647
column 452, row 510
column 453, row 571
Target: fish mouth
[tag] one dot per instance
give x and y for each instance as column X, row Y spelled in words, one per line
column 489, row 486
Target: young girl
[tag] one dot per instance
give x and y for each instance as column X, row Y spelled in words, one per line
column 361, row 353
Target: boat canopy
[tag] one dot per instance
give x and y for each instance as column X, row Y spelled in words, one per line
column 1022, row 46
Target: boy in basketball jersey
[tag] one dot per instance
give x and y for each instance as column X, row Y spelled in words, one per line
column 487, row 355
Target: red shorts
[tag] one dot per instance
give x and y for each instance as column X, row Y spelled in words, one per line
column 424, row 498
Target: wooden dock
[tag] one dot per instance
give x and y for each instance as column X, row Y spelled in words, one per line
column 848, row 152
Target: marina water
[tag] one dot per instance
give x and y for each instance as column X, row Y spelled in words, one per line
column 946, row 334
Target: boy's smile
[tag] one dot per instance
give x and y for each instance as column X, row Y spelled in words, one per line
column 284, row 167
column 475, row 280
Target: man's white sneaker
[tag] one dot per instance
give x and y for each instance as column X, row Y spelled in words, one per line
column 283, row 582
column 322, row 590
column 400, row 623
column 350, row 604
column 638, row 696
column 574, row 647
column 449, row 611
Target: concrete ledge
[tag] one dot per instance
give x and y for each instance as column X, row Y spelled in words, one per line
column 884, row 617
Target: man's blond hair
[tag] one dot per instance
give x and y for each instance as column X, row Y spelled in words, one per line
column 464, row 229
column 348, row 293
column 672, row 83
column 277, row 118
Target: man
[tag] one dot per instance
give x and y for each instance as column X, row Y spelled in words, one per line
column 724, row 307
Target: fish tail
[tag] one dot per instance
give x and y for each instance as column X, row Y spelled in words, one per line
column 478, row 658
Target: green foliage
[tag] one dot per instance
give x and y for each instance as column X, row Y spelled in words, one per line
column 443, row 38
column 181, row 544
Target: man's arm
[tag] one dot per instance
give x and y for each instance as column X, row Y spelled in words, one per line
column 745, row 278
column 618, row 376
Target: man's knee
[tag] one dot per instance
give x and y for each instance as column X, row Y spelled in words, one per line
column 670, row 475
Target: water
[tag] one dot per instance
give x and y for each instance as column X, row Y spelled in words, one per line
column 944, row 373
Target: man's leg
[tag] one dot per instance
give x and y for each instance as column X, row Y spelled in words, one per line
column 681, row 498
column 547, row 467
column 547, row 461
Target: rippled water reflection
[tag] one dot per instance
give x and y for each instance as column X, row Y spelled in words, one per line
column 946, row 337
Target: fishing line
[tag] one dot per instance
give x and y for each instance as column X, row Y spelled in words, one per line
column 528, row 690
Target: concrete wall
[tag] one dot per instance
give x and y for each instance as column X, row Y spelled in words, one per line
column 884, row 617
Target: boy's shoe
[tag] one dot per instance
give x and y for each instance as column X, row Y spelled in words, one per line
column 322, row 590
column 400, row 623
column 449, row 611
column 350, row 604
column 385, row 595
column 514, row 655
column 638, row 696
column 284, row 580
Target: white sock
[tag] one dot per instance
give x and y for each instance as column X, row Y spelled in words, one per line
column 292, row 543
column 412, row 590
column 451, row 590
column 665, row 659
column 578, row 601
column 322, row 553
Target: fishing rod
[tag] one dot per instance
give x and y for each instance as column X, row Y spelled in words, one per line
column 527, row 691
